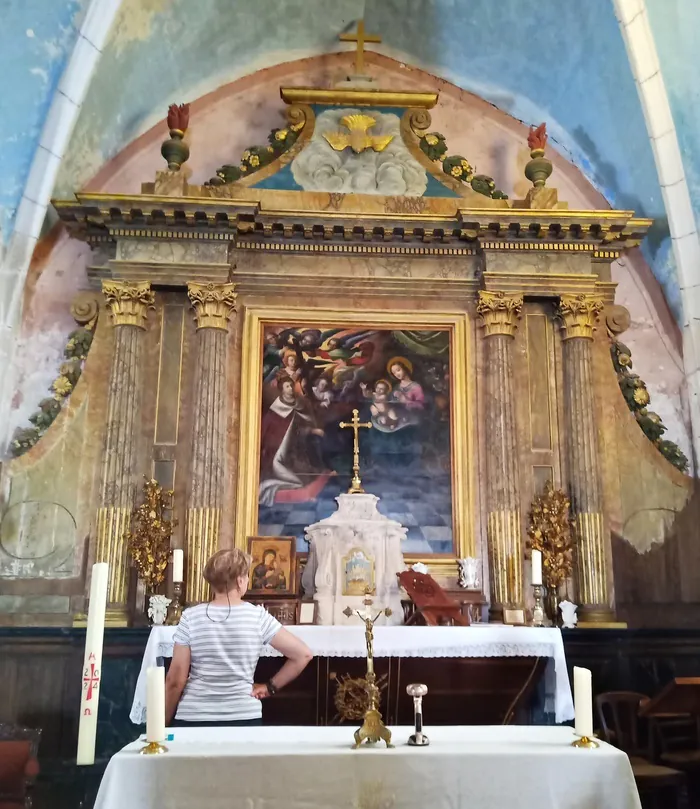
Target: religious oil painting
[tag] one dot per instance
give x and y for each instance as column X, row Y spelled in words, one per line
column 312, row 377
column 358, row 572
column 272, row 568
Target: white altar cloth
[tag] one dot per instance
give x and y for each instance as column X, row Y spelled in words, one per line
column 479, row 640
column 518, row 767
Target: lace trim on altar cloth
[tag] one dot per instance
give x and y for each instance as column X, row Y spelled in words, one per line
column 557, row 690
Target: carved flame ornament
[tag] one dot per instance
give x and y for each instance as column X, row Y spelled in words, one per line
column 358, row 138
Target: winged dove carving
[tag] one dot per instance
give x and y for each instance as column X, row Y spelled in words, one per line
column 357, row 138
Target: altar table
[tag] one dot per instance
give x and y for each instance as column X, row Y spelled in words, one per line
column 315, row 768
column 477, row 641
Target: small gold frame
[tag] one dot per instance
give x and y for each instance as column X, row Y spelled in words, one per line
column 361, row 589
column 461, row 422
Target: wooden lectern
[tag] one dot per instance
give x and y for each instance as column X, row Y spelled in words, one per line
column 432, row 602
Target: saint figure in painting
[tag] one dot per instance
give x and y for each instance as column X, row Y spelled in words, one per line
column 291, row 469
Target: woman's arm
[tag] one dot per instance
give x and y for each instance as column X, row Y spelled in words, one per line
column 176, row 680
column 298, row 657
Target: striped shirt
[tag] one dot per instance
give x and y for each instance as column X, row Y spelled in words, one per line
column 224, row 651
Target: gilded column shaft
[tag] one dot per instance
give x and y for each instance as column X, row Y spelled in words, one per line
column 128, row 304
column 499, row 314
column 579, row 314
column 213, row 305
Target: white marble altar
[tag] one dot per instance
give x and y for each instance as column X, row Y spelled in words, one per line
column 355, row 547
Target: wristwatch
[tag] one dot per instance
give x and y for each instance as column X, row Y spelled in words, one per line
column 271, row 688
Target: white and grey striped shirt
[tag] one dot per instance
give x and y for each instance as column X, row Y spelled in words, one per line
column 224, row 652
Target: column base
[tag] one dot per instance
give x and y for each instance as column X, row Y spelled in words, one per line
column 595, row 615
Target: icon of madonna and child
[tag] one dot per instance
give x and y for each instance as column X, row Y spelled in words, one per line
column 313, row 378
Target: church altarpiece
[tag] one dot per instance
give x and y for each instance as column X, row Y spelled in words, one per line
column 469, row 329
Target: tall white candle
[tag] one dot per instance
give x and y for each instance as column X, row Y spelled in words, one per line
column 92, row 664
column 536, row 566
column 178, row 564
column 155, row 704
column 583, row 702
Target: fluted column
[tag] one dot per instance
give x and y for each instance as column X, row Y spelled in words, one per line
column 213, row 305
column 500, row 313
column 578, row 314
column 128, row 304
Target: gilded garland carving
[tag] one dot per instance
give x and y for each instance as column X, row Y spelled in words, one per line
column 499, row 312
column 85, row 310
column 579, row 314
column 148, row 540
column 129, row 302
column 637, row 397
column 213, row 304
column 549, row 531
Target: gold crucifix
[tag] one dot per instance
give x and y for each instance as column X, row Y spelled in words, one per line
column 360, row 37
column 355, row 425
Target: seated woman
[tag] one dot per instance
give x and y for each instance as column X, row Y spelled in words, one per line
column 217, row 646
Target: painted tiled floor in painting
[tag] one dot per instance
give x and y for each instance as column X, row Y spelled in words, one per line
column 426, row 514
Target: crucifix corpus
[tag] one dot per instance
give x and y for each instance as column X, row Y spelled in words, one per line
column 360, row 37
column 355, row 425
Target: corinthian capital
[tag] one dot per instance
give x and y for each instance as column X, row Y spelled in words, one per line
column 499, row 312
column 128, row 302
column 212, row 304
column 578, row 314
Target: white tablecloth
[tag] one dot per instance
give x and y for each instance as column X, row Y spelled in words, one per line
column 315, row 768
column 479, row 640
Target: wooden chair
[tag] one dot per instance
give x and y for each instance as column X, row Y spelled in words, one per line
column 18, row 765
column 618, row 714
column 432, row 602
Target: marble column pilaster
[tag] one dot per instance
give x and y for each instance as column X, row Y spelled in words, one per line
column 499, row 313
column 128, row 304
column 213, row 306
column 578, row 315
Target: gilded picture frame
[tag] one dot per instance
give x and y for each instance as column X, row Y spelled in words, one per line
column 462, row 467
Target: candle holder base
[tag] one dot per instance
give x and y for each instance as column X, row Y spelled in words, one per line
column 586, row 742
column 153, row 749
column 175, row 611
column 418, row 740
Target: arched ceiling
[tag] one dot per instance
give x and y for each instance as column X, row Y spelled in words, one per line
column 562, row 61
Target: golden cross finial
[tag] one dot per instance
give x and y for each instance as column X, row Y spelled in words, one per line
column 360, row 37
column 355, row 425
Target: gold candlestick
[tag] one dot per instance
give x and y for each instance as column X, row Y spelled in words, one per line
column 373, row 728
column 175, row 609
column 153, row 749
column 355, row 425
column 586, row 742
column 538, row 609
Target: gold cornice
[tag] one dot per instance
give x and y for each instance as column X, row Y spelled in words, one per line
column 499, row 312
column 291, row 217
column 213, row 304
column 129, row 302
column 578, row 314
column 359, row 98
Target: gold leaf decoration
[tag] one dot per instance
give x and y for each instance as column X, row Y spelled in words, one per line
column 550, row 531
column 148, row 540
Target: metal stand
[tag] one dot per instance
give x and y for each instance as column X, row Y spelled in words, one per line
column 538, row 609
column 418, row 691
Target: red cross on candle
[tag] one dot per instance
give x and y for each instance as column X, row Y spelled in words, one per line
column 91, row 679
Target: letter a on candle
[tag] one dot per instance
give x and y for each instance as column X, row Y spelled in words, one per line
column 92, row 664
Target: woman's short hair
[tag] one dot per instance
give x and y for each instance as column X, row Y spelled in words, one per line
column 225, row 567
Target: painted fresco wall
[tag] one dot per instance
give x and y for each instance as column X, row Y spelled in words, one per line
column 36, row 40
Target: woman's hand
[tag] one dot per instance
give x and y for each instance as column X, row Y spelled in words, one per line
column 260, row 692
